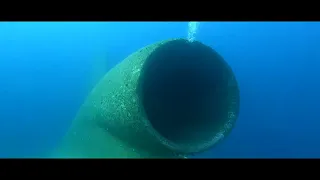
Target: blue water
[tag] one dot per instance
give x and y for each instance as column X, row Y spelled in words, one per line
column 45, row 70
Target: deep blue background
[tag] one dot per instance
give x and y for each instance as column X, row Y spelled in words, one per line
column 46, row 72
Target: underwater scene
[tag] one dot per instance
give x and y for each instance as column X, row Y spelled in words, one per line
column 160, row 89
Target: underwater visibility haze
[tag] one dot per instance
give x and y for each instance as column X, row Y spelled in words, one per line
column 160, row 89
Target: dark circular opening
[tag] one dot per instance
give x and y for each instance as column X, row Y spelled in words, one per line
column 184, row 89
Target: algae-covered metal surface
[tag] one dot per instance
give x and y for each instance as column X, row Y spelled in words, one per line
column 112, row 113
column 112, row 122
